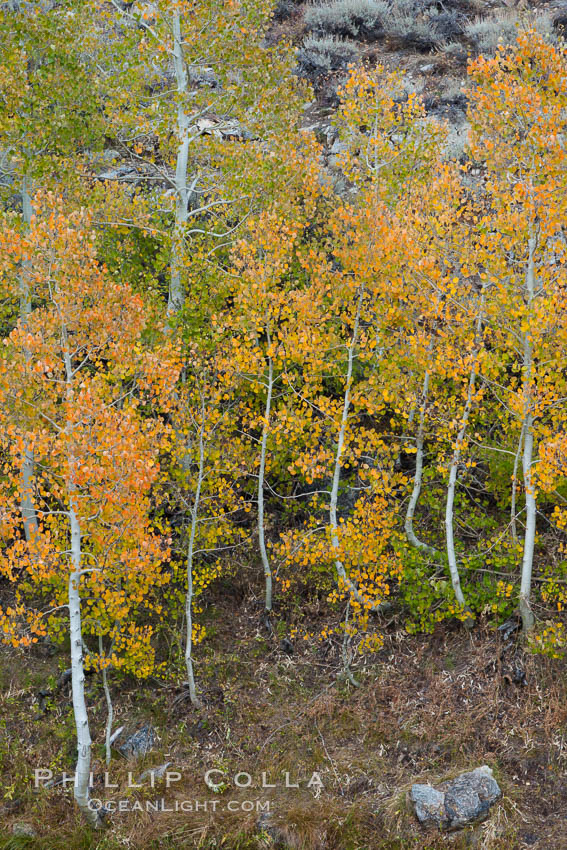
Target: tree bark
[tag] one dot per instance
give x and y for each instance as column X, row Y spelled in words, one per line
column 528, row 619
column 190, row 550
column 82, row 772
column 109, row 706
column 176, row 297
column 455, row 460
column 417, row 479
column 261, row 476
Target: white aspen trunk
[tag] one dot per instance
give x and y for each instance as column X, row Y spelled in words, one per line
column 109, row 706
column 528, row 619
column 451, row 554
column 176, row 297
column 190, row 550
column 109, row 718
column 417, row 479
column 27, row 508
column 82, row 771
column 261, row 476
column 455, row 460
column 513, row 497
column 335, row 543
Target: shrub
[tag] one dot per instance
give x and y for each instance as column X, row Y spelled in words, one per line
column 447, row 24
column 452, row 91
column 320, row 56
column 487, row 34
column 363, row 19
column 416, row 24
column 285, row 9
column 454, row 50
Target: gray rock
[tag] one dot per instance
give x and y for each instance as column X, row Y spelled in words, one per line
column 24, row 829
column 202, row 75
column 10, row 806
column 110, row 155
column 140, row 743
column 224, row 129
column 429, row 805
column 337, row 148
column 508, row 628
column 470, row 796
column 455, row 804
column 154, row 773
column 122, row 174
column 267, row 826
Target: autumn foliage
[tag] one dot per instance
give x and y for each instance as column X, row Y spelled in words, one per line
column 225, row 368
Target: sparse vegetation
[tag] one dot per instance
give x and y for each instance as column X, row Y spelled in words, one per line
column 285, row 9
column 362, row 19
column 503, row 26
column 419, row 26
column 318, row 56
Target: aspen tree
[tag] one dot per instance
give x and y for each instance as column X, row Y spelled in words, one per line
column 72, row 378
column 452, row 329
column 207, row 130
column 47, row 113
column 264, row 311
column 207, row 476
column 517, row 115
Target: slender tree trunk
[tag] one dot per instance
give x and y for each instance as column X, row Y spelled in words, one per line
column 109, row 707
column 333, row 522
column 28, row 511
column 109, row 718
column 528, row 619
column 176, row 297
column 190, row 550
column 455, row 460
column 261, row 476
column 451, row 554
column 341, row 572
column 82, row 772
column 514, row 494
column 417, row 479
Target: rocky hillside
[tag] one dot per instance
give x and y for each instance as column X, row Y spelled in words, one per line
column 429, row 40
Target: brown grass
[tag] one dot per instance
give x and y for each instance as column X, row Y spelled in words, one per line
column 428, row 708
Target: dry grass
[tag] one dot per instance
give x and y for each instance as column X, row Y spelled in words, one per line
column 428, row 708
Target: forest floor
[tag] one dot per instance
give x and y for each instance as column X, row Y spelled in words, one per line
column 428, row 707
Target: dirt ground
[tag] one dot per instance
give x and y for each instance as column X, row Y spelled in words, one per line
column 427, row 708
